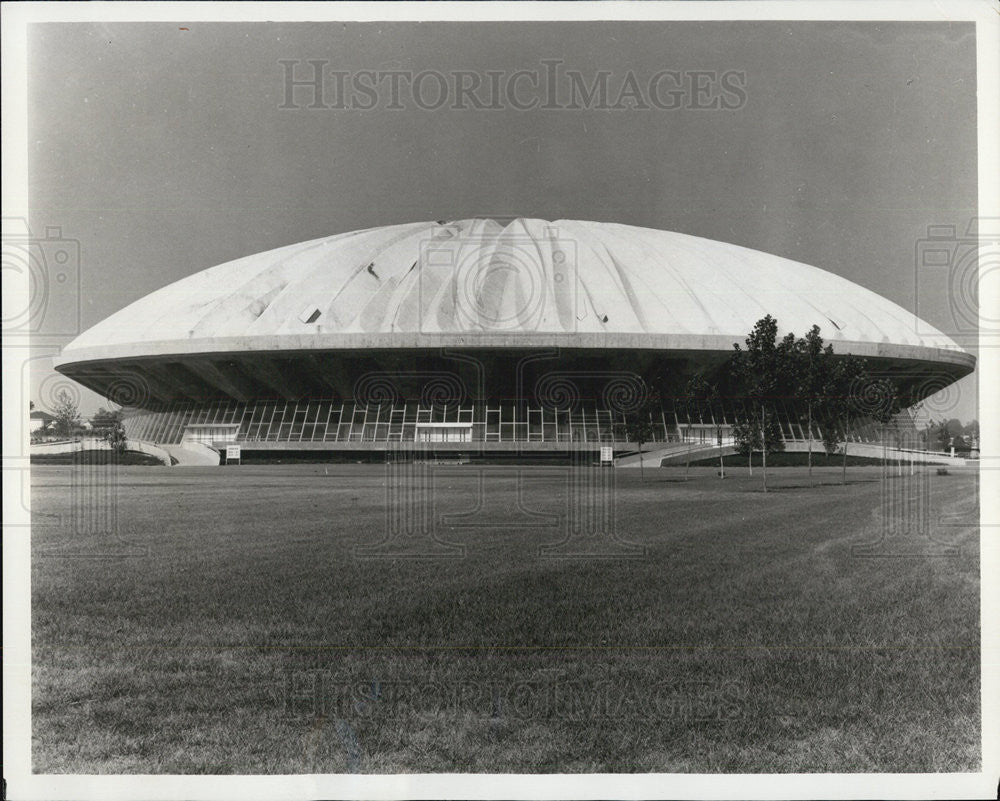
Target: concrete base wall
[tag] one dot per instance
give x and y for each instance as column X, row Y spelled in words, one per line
column 678, row 454
column 97, row 444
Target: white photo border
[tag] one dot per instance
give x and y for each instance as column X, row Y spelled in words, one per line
column 23, row 785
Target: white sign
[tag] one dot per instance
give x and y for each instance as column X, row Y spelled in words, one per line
column 607, row 454
column 232, row 452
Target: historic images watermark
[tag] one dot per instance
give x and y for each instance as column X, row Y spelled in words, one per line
column 548, row 86
column 474, row 279
column 339, row 712
column 960, row 263
column 325, row 694
column 582, row 525
column 905, row 523
column 48, row 312
column 424, row 449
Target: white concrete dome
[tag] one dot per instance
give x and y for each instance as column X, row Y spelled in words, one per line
column 477, row 284
column 478, row 278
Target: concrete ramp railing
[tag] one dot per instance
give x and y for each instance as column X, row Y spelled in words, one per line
column 655, row 453
column 98, row 444
column 871, row 450
column 678, row 455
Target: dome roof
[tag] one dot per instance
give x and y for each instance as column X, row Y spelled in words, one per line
column 478, row 283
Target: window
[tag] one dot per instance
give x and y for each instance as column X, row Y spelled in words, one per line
column 310, row 314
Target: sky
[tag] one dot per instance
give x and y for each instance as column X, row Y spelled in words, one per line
column 162, row 149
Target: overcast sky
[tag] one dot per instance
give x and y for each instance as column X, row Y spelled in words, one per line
column 163, row 150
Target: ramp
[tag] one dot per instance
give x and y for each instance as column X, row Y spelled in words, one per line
column 674, row 452
column 193, row 454
column 677, row 455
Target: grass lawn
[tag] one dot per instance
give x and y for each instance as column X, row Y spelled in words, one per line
column 230, row 627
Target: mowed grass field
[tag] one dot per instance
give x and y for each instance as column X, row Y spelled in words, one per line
column 221, row 621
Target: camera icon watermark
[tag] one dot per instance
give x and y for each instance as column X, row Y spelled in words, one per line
column 489, row 279
column 41, row 285
column 965, row 268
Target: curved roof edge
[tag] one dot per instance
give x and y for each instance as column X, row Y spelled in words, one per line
column 290, row 344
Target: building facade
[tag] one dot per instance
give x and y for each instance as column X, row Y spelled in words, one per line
column 473, row 334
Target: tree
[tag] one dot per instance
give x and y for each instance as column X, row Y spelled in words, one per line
column 103, row 420
column 813, row 363
column 746, row 432
column 835, row 407
column 116, row 438
column 877, row 399
column 971, row 431
column 943, row 435
column 762, row 374
column 67, row 415
column 956, row 430
column 707, row 396
column 639, row 427
column 689, row 405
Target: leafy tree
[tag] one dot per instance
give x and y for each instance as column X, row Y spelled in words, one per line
column 746, row 432
column 707, row 395
column 811, row 370
column 836, row 408
column 67, row 415
column 936, row 435
column 762, row 373
column 943, row 435
column 879, row 400
column 687, row 407
column 104, row 420
column 115, row 436
column 926, row 434
column 639, row 428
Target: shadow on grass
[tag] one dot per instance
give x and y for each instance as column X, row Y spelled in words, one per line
column 747, row 484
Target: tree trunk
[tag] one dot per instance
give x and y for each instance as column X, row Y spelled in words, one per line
column 722, row 462
column 642, row 468
column 687, row 456
column 885, row 457
column 843, row 479
column 763, row 448
column 810, row 435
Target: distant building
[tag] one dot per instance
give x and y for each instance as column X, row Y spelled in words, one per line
column 38, row 420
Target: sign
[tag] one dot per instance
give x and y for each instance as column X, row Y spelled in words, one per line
column 607, row 454
column 232, row 453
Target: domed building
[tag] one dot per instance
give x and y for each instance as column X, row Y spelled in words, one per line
column 470, row 334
